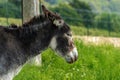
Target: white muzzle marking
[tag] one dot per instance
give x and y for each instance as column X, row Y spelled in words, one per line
column 72, row 56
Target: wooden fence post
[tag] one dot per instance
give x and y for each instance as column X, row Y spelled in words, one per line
column 31, row 9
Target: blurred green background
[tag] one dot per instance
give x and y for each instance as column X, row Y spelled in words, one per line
column 93, row 17
column 85, row 17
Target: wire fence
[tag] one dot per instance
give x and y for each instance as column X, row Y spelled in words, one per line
column 87, row 29
column 8, row 9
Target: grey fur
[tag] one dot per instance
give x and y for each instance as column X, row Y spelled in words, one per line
column 18, row 45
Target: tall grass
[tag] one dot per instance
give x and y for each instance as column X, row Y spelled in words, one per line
column 93, row 32
column 3, row 21
column 77, row 30
column 100, row 62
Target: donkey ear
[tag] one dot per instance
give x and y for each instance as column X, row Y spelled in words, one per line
column 45, row 11
column 52, row 16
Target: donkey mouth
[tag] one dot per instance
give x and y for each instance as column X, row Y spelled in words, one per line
column 72, row 56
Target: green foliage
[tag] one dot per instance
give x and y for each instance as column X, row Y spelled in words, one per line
column 76, row 30
column 17, row 3
column 81, row 31
column 52, row 1
column 2, row 1
column 108, row 22
column 67, row 12
column 57, row 1
column 105, row 5
column 85, row 11
column 103, row 21
column 3, row 21
column 100, row 62
column 9, row 10
column 76, row 12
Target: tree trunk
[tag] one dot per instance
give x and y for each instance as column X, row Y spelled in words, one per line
column 31, row 9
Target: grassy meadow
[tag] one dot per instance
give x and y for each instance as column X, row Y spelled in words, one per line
column 77, row 30
column 3, row 21
column 95, row 62
column 101, row 62
column 93, row 32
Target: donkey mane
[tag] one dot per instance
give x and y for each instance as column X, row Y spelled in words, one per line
column 28, row 29
column 36, row 19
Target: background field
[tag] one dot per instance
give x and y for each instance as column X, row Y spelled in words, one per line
column 77, row 30
column 100, row 62
column 3, row 21
column 82, row 31
column 86, row 17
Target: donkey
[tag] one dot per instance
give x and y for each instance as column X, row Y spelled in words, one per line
column 20, row 43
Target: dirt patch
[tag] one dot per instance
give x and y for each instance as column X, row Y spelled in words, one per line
column 100, row 40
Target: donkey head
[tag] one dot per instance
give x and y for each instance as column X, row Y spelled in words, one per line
column 61, row 41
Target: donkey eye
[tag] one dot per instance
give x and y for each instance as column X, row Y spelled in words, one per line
column 68, row 34
column 61, row 22
column 58, row 22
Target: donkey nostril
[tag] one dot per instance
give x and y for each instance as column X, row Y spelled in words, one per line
column 72, row 56
column 60, row 22
column 70, row 60
column 76, row 57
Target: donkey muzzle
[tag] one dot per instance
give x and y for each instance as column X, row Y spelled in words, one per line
column 72, row 56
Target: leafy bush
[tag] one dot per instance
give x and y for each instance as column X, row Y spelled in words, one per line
column 108, row 21
column 9, row 10
column 85, row 11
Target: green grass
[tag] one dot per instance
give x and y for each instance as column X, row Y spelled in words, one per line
column 93, row 32
column 3, row 21
column 76, row 30
column 100, row 62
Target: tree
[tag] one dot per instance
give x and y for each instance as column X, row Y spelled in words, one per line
column 8, row 9
column 85, row 11
column 31, row 9
column 68, row 13
column 15, row 2
column 108, row 21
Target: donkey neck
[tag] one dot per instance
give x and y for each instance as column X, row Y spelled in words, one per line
column 34, row 36
column 39, row 39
